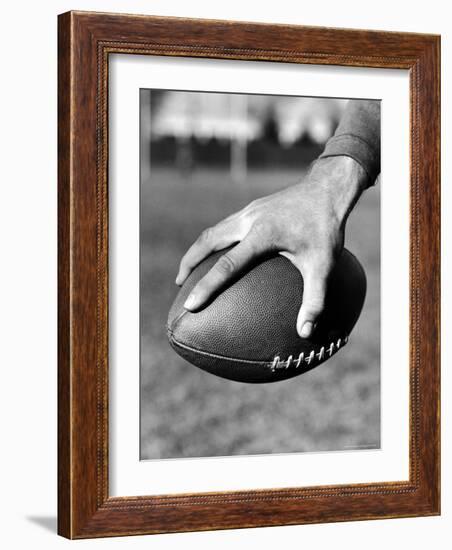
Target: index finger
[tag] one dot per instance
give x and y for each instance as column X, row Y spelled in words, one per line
column 211, row 239
column 228, row 266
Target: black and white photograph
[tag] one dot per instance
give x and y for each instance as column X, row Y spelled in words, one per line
column 224, row 236
column 226, row 253
column 259, row 274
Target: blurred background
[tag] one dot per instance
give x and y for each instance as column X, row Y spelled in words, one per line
column 204, row 156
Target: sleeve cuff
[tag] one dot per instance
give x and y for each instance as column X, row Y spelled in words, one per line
column 358, row 149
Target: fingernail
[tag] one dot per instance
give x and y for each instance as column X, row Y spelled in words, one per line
column 307, row 329
column 190, row 302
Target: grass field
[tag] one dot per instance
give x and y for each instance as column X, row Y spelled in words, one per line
column 186, row 412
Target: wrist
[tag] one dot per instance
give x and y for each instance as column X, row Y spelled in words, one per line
column 343, row 180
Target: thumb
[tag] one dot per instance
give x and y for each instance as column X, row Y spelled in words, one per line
column 315, row 281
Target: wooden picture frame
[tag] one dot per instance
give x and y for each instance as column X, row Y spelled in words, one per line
column 85, row 42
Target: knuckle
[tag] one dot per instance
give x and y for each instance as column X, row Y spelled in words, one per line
column 253, row 205
column 206, row 236
column 253, row 211
column 225, row 265
column 260, row 229
column 246, row 217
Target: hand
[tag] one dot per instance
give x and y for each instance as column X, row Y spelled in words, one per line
column 305, row 223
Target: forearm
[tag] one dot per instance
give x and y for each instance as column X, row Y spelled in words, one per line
column 358, row 137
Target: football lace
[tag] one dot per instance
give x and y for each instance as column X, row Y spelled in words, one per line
column 308, row 357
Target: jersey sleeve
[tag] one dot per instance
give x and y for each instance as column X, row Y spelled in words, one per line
column 358, row 136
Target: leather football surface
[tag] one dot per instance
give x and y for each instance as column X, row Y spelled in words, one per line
column 247, row 331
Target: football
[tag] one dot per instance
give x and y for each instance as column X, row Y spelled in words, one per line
column 247, row 332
